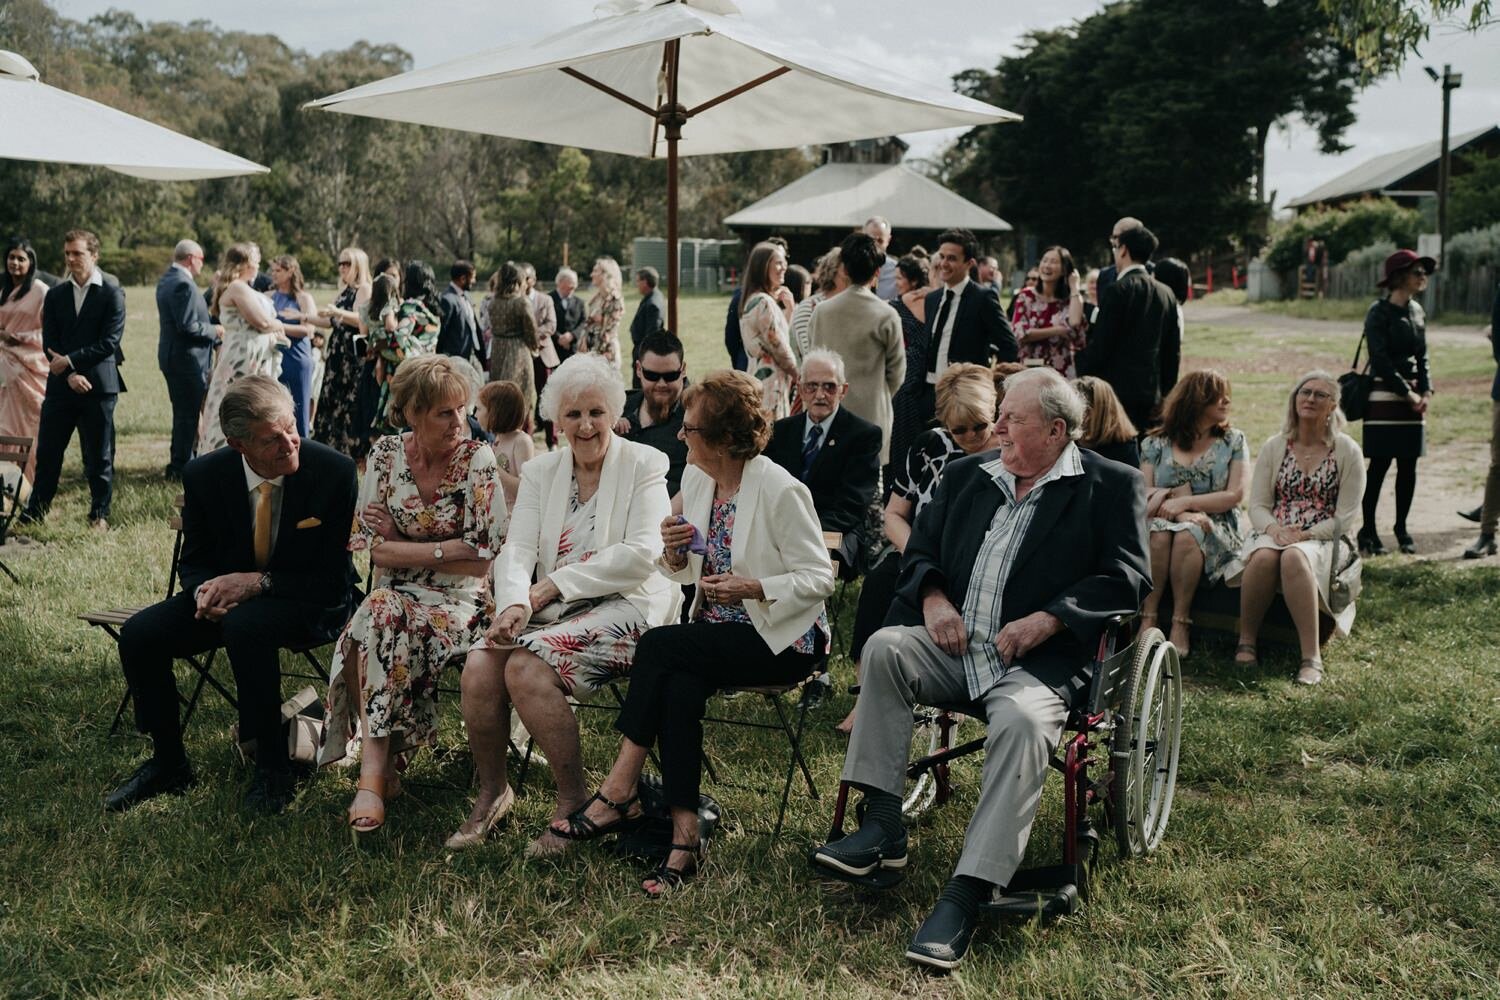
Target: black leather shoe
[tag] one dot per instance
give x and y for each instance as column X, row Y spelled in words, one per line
column 270, row 792
column 150, row 780
column 1370, row 544
column 863, row 851
column 1484, row 547
column 943, row 938
column 1472, row 515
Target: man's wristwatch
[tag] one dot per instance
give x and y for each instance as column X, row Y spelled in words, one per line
column 265, row 584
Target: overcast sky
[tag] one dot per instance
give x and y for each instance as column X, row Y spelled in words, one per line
column 930, row 40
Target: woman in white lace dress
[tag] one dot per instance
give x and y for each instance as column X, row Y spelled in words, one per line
column 252, row 334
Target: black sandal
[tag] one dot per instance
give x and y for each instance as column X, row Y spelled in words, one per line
column 669, row 880
column 580, row 827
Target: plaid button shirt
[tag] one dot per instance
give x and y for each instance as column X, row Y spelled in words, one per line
column 992, row 567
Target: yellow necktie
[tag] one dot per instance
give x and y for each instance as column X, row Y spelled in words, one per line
column 263, row 527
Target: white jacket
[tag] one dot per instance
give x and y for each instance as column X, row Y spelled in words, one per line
column 777, row 540
column 632, row 503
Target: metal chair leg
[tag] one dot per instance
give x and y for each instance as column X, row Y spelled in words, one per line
column 795, row 741
column 114, row 726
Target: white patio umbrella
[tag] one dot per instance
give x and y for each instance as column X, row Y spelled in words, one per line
column 692, row 72
column 38, row 122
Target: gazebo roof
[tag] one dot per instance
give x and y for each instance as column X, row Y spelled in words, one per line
column 844, row 195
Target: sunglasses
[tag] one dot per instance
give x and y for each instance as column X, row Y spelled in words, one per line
column 828, row 387
column 966, row 431
column 346, row 263
column 651, row 376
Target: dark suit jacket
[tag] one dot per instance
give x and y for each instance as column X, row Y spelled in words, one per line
column 186, row 343
column 650, row 316
column 90, row 338
column 1083, row 559
column 981, row 333
column 458, row 334
column 570, row 312
column 734, row 344
column 1137, row 321
column 310, row 565
column 843, row 477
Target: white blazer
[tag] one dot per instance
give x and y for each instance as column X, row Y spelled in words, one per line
column 777, row 540
column 632, row 503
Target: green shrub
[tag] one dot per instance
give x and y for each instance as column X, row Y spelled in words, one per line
column 136, row 265
column 1344, row 230
column 1373, row 254
column 1475, row 248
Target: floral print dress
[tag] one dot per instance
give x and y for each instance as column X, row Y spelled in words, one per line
column 717, row 560
column 415, row 620
column 601, row 328
column 1031, row 313
column 598, row 646
column 1209, row 474
column 763, row 329
column 245, row 351
column 416, row 334
column 336, row 420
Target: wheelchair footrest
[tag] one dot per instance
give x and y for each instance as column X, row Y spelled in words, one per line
column 879, row 880
column 1052, row 891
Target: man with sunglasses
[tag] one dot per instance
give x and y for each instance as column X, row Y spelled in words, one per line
column 835, row 453
column 185, row 349
column 653, row 413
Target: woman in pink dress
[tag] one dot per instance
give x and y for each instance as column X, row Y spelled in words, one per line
column 23, row 366
column 1048, row 316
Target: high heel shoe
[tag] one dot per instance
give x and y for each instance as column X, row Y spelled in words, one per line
column 668, row 880
column 466, row 837
column 1369, row 543
column 1404, row 542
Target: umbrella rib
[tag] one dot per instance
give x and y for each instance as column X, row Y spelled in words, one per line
column 606, row 88
column 737, row 91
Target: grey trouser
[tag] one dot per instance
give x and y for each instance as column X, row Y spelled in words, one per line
column 904, row 668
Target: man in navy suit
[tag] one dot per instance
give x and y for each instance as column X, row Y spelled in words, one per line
column 265, row 526
column 458, row 335
column 83, row 319
column 185, row 350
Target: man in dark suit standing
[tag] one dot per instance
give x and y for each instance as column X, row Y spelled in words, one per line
column 458, row 332
column 570, row 311
column 264, row 565
column 1137, row 321
column 650, row 315
column 1009, row 576
column 83, row 320
column 185, row 349
column 835, row 453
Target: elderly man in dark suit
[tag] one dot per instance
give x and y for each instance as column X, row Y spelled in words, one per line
column 184, row 349
column 1008, row 578
column 264, row 565
column 570, row 310
column 1137, row 323
column 835, row 453
column 83, row 320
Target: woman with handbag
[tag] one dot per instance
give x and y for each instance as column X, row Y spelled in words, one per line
column 1396, row 329
column 1304, row 495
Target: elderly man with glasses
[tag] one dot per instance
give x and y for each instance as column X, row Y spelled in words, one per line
column 185, row 350
column 836, row 454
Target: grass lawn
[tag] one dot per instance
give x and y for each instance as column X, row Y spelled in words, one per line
column 1334, row 842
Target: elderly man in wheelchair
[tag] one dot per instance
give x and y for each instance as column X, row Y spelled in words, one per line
column 1010, row 576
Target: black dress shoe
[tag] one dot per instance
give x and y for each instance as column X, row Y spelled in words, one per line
column 270, row 792
column 1404, row 542
column 150, row 780
column 1472, row 515
column 863, row 851
column 943, row 938
column 1370, row 544
column 1484, row 547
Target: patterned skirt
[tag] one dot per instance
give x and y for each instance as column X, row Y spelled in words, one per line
column 590, row 650
column 1392, row 429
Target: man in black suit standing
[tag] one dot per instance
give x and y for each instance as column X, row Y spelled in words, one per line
column 83, row 319
column 650, row 315
column 1137, row 321
column 458, row 332
column 835, row 453
column 1010, row 573
column 185, row 349
column 570, row 311
column 264, row 565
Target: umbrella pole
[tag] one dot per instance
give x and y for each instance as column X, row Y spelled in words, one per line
column 672, row 117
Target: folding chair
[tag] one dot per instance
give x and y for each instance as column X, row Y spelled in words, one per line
column 16, row 452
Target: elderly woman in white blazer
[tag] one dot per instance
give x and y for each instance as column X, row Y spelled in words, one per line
column 748, row 536
column 576, row 585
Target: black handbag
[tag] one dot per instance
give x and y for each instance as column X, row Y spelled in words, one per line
column 1355, row 386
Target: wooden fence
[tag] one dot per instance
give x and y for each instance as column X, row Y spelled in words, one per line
column 1471, row 291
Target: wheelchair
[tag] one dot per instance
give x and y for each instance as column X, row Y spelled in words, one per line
column 1133, row 713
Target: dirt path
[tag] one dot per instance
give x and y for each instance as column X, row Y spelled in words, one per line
column 1449, row 478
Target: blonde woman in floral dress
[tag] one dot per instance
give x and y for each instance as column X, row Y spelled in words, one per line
column 432, row 515
column 252, row 336
column 765, row 316
column 601, row 327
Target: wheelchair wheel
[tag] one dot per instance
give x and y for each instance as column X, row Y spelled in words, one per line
column 1145, row 747
column 926, row 738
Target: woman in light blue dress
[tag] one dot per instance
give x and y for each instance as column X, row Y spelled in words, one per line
column 1196, row 469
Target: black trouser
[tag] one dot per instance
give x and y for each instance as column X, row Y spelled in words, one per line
column 251, row 634
column 93, row 416
column 677, row 668
column 186, row 391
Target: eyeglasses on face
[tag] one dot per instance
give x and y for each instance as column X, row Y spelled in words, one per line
column 346, row 263
column 829, row 387
column 690, row 429
column 968, row 429
column 1319, row 395
column 651, row 376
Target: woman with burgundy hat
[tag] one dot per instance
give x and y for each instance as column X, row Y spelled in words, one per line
column 1396, row 330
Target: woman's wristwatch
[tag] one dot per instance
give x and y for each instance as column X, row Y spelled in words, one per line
column 437, row 552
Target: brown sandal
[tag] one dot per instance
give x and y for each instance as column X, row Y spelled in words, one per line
column 383, row 788
column 1246, row 647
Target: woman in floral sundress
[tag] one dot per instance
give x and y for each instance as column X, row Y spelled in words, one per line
column 252, row 334
column 765, row 314
column 433, row 516
column 1195, row 466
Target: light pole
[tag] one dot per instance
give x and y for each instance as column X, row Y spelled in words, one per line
column 1450, row 81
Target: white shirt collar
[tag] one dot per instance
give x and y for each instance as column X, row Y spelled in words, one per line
column 184, row 270
column 1132, row 267
column 1069, row 463
column 253, row 479
column 824, row 423
column 958, row 289
column 95, row 278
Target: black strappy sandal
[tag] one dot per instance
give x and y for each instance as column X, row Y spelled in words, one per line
column 580, row 827
column 668, row 880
